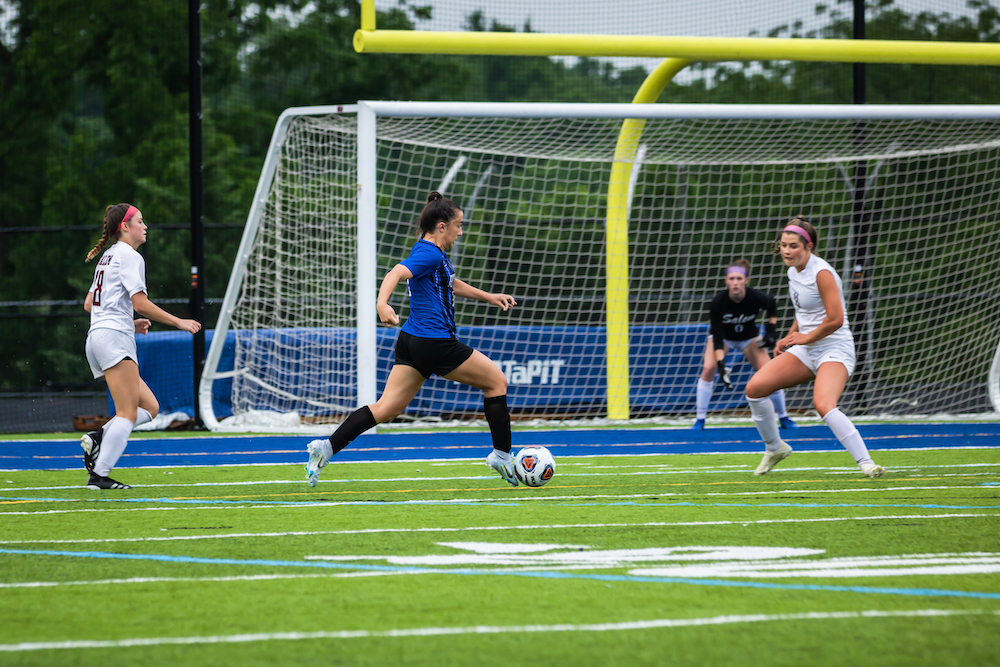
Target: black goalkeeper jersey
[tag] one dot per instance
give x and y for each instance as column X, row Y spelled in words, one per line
column 738, row 321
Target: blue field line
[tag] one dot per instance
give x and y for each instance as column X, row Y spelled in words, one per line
column 163, row 558
column 285, row 450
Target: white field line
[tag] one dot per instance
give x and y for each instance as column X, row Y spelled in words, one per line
column 817, row 573
column 298, row 483
column 478, row 460
column 370, row 531
column 483, row 629
column 527, row 498
column 836, row 564
column 453, row 478
column 157, row 580
column 657, row 469
column 251, row 504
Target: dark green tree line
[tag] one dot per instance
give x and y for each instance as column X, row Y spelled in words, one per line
column 94, row 110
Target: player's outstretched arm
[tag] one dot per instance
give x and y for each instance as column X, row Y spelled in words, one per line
column 502, row 301
column 145, row 307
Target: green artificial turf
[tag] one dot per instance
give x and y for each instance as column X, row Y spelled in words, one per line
column 250, row 566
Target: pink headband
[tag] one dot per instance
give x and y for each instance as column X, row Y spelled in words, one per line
column 795, row 229
column 737, row 269
column 132, row 210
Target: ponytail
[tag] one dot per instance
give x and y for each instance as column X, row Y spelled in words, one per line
column 437, row 209
column 113, row 216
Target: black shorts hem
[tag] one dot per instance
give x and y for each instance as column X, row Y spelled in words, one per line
column 431, row 356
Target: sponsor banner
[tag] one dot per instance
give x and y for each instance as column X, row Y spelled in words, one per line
column 550, row 369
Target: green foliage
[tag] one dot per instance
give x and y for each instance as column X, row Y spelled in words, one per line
column 94, row 111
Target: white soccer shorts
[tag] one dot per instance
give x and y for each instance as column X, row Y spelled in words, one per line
column 106, row 347
column 817, row 354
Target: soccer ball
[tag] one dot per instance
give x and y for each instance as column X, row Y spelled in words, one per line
column 534, row 466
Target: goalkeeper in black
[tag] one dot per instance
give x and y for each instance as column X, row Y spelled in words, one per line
column 733, row 314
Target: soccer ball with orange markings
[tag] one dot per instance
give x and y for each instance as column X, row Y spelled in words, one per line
column 534, row 466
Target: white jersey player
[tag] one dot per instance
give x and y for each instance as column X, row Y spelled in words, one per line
column 819, row 347
column 118, row 289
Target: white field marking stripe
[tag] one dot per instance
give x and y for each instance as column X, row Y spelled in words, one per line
column 157, row 580
column 450, row 461
column 367, row 531
column 250, row 504
column 833, row 573
column 829, row 470
column 816, row 573
column 666, row 494
column 132, row 509
column 484, row 629
column 657, row 471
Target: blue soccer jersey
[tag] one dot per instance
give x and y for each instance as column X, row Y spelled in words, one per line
column 432, row 299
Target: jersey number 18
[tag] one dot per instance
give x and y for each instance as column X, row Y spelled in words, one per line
column 97, row 289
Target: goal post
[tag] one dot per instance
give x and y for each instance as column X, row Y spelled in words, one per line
column 611, row 242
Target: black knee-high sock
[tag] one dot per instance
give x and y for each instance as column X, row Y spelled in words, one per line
column 498, row 417
column 360, row 421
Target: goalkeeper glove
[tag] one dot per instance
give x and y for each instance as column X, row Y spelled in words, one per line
column 770, row 337
column 725, row 375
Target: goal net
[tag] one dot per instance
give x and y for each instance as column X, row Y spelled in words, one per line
column 613, row 242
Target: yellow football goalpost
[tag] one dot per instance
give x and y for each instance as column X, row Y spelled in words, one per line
column 679, row 52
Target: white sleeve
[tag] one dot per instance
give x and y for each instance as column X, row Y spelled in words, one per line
column 133, row 274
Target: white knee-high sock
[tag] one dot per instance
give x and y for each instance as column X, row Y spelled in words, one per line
column 142, row 416
column 845, row 431
column 113, row 445
column 704, row 397
column 763, row 418
column 778, row 401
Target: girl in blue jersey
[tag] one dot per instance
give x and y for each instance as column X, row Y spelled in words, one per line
column 427, row 344
column 819, row 347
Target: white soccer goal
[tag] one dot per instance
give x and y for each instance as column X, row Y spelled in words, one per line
column 612, row 245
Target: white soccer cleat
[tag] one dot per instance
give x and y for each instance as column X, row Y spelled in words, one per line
column 320, row 452
column 872, row 470
column 772, row 459
column 503, row 464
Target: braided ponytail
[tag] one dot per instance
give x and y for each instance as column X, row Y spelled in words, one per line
column 112, row 220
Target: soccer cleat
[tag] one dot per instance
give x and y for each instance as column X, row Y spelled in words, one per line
column 91, row 443
column 772, row 459
column 320, row 452
column 503, row 465
column 99, row 483
column 699, row 425
column 872, row 470
column 786, row 422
